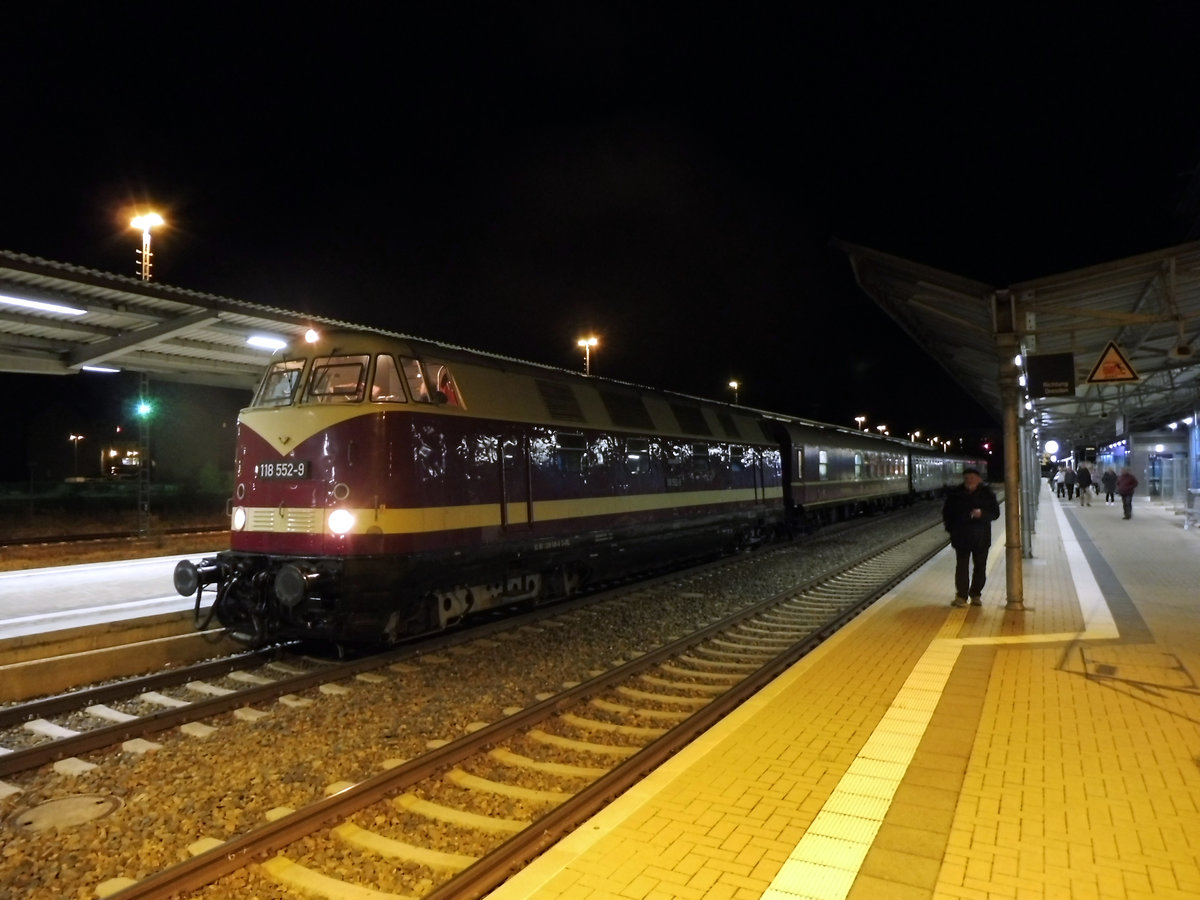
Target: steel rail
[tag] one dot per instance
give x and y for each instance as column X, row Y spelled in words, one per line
column 491, row 870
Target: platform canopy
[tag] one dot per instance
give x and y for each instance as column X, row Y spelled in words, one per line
column 1106, row 350
column 57, row 319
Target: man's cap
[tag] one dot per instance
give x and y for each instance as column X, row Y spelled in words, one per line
column 970, row 470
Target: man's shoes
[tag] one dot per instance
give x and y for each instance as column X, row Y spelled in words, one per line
column 976, row 600
column 959, row 601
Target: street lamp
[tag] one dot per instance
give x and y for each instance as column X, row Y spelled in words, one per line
column 75, row 439
column 860, row 420
column 882, row 429
column 735, row 385
column 146, row 222
column 587, row 344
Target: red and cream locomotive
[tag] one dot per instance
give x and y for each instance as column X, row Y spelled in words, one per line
column 386, row 487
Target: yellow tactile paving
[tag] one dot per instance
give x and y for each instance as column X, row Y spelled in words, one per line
column 930, row 752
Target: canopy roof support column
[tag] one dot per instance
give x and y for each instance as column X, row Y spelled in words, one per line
column 1008, row 346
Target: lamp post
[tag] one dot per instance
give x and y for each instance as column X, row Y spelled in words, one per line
column 146, row 222
column 882, row 429
column 735, row 385
column 859, row 421
column 75, row 439
column 587, row 344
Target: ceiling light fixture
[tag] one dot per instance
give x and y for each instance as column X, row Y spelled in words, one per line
column 42, row 306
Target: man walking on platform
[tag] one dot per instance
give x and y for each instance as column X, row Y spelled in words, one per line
column 1069, row 477
column 1083, row 481
column 1126, row 485
column 968, row 514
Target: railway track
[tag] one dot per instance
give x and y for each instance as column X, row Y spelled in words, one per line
column 93, row 537
column 457, row 820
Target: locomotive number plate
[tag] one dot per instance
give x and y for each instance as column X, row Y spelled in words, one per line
column 284, row 468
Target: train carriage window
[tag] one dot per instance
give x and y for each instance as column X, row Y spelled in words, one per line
column 858, row 466
column 799, row 474
column 823, row 465
column 278, row 387
column 386, row 386
column 414, row 374
column 338, row 379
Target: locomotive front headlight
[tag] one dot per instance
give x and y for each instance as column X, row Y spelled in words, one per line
column 341, row 521
column 239, row 518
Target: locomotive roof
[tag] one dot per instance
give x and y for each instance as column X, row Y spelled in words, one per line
column 495, row 386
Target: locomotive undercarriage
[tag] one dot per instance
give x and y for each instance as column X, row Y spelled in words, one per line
column 385, row 599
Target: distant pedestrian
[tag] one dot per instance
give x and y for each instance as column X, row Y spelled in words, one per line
column 1126, row 485
column 1060, row 482
column 1084, row 482
column 1069, row 480
column 1109, row 478
column 968, row 514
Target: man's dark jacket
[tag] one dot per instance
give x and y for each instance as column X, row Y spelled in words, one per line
column 967, row 533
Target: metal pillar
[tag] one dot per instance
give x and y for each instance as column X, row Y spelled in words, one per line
column 1008, row 345
column 1013, row 568
column 1031, row 486
column 143, row 493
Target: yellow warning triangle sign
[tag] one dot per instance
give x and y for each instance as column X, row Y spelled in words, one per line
column 1112, row 367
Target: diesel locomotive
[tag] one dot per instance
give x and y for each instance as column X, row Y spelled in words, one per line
column 387, row 487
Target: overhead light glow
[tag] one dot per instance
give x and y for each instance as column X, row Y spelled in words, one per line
column 312, row 336
column 105, row 369
column 42, row 306
column 265, row 342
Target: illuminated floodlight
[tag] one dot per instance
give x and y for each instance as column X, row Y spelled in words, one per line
column 145, row 223
column 312, row 335
column 42, row 306
column 1052, row 447
column 587, row 344
column 266, row 342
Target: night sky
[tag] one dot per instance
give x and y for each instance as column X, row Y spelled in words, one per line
column 666, row 178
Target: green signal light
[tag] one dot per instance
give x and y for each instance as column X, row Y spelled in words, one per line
column 144, row 409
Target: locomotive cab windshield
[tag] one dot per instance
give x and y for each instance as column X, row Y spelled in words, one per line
column 344, row 379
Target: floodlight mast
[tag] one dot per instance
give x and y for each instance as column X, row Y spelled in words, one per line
column 145, row 223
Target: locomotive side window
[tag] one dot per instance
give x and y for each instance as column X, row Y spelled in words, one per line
column 447, row 389
column 571, row 447
column 414, row 374
column 279, row 385
column 338, row 379
column 386, row 386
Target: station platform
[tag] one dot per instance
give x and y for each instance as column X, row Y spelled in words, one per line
column 927, row 751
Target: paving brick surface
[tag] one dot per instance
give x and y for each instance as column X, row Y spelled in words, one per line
column 933, row 753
